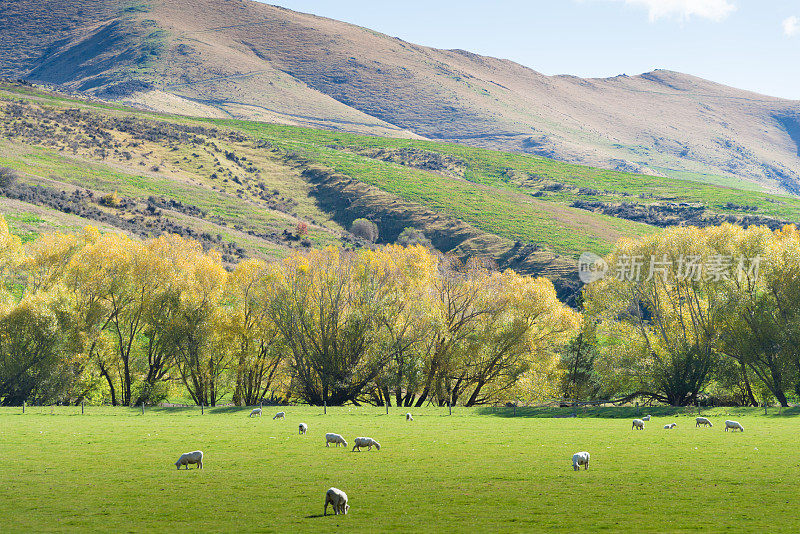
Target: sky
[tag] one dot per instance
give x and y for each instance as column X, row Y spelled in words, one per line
column 749, row 44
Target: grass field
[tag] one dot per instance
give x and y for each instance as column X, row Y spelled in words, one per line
column 476, row 471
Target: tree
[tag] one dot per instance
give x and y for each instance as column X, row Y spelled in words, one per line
column 202, row 357
column 761, row 327
column 29, row 349
column 669, row 318
column 365, row 229
column 580, row 380
column 326, row 306
column 525, row 324
column 259, row 350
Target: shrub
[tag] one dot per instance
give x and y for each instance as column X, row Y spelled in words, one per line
column 412, row 236
column 7, row 176
column 365, row 229
column 111, row 200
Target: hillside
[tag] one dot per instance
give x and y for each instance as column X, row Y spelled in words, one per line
column 251, row 189
column 248, row 60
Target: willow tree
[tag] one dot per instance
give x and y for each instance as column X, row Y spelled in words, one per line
column 256, row 342
column 404, row 320
column 326, row 306
column 201, row 355
column 667, row 312
column 522, row 329
column 761, row 312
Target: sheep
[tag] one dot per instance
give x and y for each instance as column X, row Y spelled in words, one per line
column 580, row 459
column 255, row 412
column 408, row 417
column 187, row 458
column 733, row 425
column 702, row 421
column 279, row 415
column 646, row 417
column 638, row 424
column 366, row 442
column 335, row 439
column 670, row 426
column 338, row 499
column 303, row 428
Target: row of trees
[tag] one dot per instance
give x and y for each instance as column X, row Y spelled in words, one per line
column 682, row 316
column 693, row 312
column 102, row 316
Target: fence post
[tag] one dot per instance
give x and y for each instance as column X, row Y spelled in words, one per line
column 23, row 406
column 515, row 409
column 449, row 408
column 387, row 408
column 81, row 407
column 637, row 408
column 325, row 404
column 202, row 409
column 261, row 405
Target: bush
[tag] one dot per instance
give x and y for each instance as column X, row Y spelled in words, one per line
column 365, row 229
column 411, row 236
column 7, row 176
column 111, row 200
column 151, row 394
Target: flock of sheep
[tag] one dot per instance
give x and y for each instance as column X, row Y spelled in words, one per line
column 334, row 496
column 338, row 499
column 582, row 458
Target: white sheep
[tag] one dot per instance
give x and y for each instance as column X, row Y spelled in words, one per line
column 303, row 428
column 638, row 424
column 702, row 421
column 335, row 439
column 646, row 417
column 408, row 417
column 187, row 458
column 255, row 412
column 670, row 426
column 366, row 442
column 279, row 415
column 338, row 499
column 580, row 459
column 733, row 425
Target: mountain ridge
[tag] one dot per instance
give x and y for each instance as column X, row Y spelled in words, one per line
column 278, row 65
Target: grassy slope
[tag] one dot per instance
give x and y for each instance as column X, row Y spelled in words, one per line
column 112, row 469
column 492, row 190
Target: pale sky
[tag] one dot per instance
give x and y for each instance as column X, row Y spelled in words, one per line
column 749, row 44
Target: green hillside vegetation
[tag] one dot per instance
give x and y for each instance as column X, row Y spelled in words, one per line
column 246, row 187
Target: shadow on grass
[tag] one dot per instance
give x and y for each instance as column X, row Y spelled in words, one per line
column 314, row 516
column 631, row 412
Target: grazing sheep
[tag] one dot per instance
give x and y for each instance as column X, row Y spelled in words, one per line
column 303, row 428
column 580, row 459
column 255, row 412
column 338, row 499
column 279, row 415
column 702, row 421
column 646, row 417
column 366, row 442
column 733, row 425
column 408, row 417
column 669, row 426
column 638, row 424
column 335, row 439
column 187, row 458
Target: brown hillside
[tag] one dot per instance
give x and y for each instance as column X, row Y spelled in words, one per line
column 251, row 60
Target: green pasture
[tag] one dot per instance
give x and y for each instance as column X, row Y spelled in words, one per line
column 479, row 470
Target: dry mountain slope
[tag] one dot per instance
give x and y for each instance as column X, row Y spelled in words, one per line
column 250, row 60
